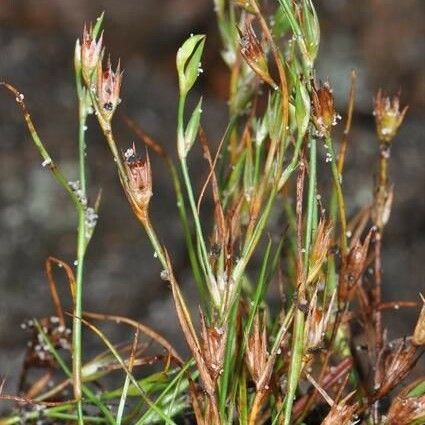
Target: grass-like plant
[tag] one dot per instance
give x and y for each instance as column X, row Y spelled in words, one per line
column 252, row 361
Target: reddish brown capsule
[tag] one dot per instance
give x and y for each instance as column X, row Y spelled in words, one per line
column 316, row 325
column 139, row 183
column 213, row 348
column 324, row 115
column 256, row 352
column 353, row 265
column 253, row 53
column 398, row 361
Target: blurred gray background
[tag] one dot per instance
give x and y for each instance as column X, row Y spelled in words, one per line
column 382, row 39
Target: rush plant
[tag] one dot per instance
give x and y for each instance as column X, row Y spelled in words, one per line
column 275, row 232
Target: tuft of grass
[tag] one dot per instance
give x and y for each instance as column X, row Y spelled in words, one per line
column 276, row 300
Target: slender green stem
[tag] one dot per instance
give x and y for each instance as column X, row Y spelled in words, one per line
column 109, row 136
column 258, row 151
column 82, row 127
column 125, row 388
column 180, row 119
column 259, row 293
column 299, row 323
column 228, row 359
column 81, row 248
column 249, row 247
column 311, row 203
column 295, row 366
column 191, row 250
column 203, row 253
column 340, row 197
column 293, row 164
column 76, row 334
column 158, row 250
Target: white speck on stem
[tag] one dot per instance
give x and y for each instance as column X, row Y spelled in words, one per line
column 46, row 162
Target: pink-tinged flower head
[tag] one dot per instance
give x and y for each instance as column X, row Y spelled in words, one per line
column 91, row 54
column 108, row 89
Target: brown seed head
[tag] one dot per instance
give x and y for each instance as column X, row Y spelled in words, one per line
column 108, row 89
column 316, row 324
column 324, row 115
column 353, row 265
column 91, row 54
column 213, row 348
column 405, row 409
column 397, row 364
column 319, row 250
column 341, row 413
column 388, row 116
column 256, row 355
column 139, row 182
column 253, row 53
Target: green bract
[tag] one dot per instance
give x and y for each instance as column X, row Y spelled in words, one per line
column 191, row 131
column 188, row 62
column 302, row 108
